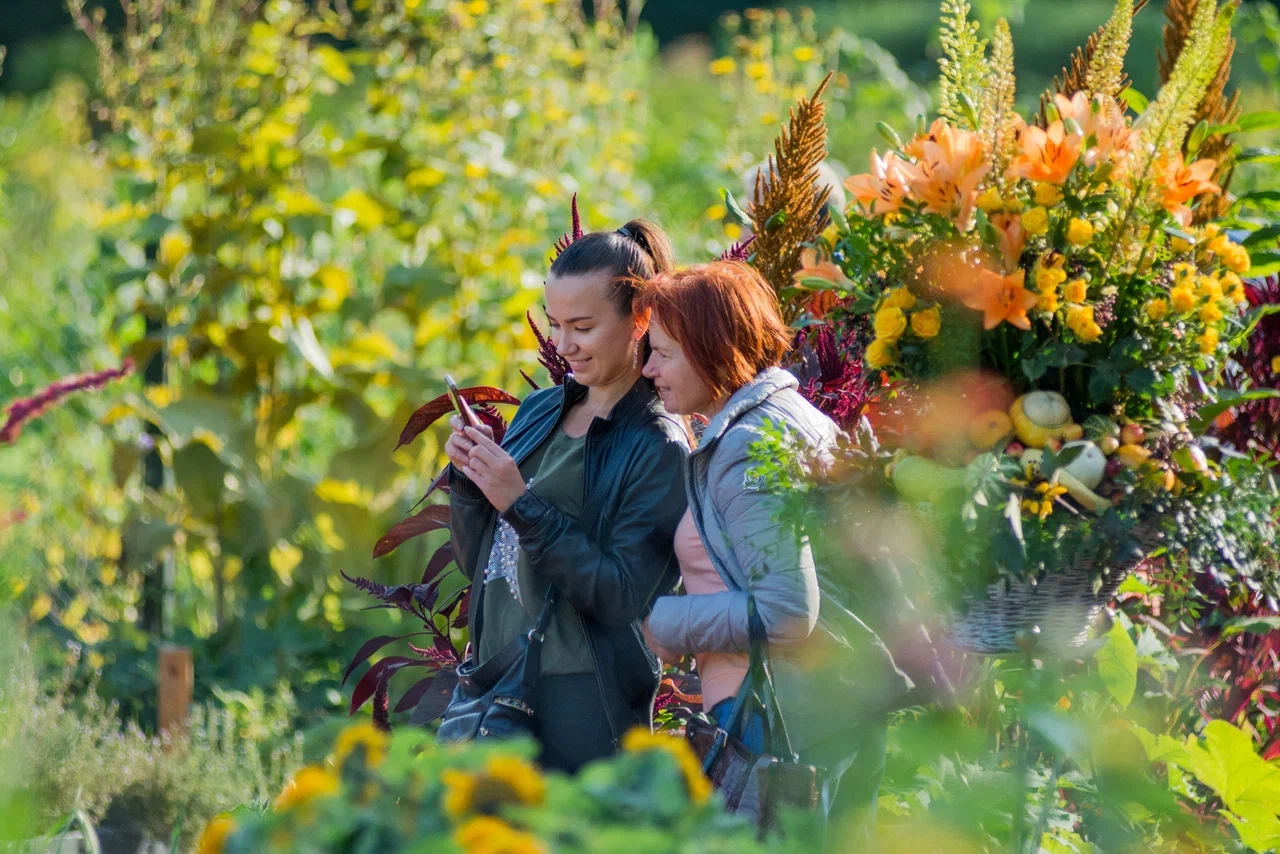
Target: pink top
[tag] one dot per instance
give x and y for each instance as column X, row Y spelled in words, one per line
column 721, row 673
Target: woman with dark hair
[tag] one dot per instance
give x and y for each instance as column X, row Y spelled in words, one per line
column 717, row 339
column 583, row 496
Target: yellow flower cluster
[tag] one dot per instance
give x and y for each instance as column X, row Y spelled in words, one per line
column 1042, row 506
column 894, row 318
column 640, row 739
column 310, row 783
column 214, row 837
column 504, row 780
column 1081, row 322
column 364, row 736
column 1048, row 275
column 1206, row 297
column 488, row 835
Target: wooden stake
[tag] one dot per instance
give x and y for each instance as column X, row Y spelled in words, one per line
column 177, row 680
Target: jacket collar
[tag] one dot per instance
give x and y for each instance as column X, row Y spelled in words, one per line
column 637, row 398
column 767, row 383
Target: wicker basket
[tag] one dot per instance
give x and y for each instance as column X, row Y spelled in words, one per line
column 1062, row 604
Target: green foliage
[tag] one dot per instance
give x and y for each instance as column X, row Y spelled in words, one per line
column 963, row 64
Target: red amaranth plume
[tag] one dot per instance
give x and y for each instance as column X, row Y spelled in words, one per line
column 548, row 356
column 564, row 241
column 24, row 409
column 738, row 251
column 830, row 379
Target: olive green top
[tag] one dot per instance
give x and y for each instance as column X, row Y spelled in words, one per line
column 555, row 473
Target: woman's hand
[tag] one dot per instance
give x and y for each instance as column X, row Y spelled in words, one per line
column 492, row 469
column 458, row 447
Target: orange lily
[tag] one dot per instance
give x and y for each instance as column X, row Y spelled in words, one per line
column 1103, row 119
column 1011, row 237
column 1045, row 155
column 883, row 189
column 813, row 267
column 950, row 165
column 1180, row 183
column 1002, row 299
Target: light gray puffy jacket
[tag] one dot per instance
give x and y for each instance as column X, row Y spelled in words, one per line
column 758, row 558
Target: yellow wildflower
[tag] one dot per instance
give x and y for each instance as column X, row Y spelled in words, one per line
column 1047, row 194
column 1233, row 288
column 1080, row 321
column 639, row 740
column 1048, row 302
column 1048, row 278
column 1179, row 244
column 715, row 212
column 1235, row 258
column 1157, row 309
column 1029, row 506
column 40, row 607
column 804, row 53
column 990, row 201
column 1182, row 270
column 1076, row 290
column 215, row 834
column 1209, row 232
column 766, row 86
column 363, row 735
column 309, row 783
column 1209, row 287
column 1064, row 703
column 1210, row 313
column 1036, row 221
column 758, row 70
column 488, row 835
column 522, row 778
column 879, row 354
column 927, row 323
column 1183, row 299
column 1218, row 243
column 1079, row 231
column 900, row 298
column 1208, row 341
column 890, row 323
column 504, row 779
column 722, row 66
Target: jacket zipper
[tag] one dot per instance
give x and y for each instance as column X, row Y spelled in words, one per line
column 591, row 647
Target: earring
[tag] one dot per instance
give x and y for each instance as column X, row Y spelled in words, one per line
column 635, row 357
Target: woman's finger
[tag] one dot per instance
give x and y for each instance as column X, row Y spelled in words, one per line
column 478, row 436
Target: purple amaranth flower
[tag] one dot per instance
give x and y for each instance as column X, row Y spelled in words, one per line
column 830, row 378
column 738, row 251
column 548, row 356
column 564, row 241
column 25, row 409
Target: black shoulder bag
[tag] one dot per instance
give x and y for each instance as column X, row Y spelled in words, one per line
column 755, row 785
column 496, row 699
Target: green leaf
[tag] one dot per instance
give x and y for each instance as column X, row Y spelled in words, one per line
column 735, row 209
column 838, row 218
column 1141, row 380
column 1259, row 155
column 1262, row 235
column 1259, row 120
column 1223, row 130
column 1226, row 761
column 775, row 221
column 1196, row 139
column 1118, row 665
column 1103, row 382
column 1250, row 625
column 1210, row 411
column 1264, row 264
column 1260, row 198
column 1133, row 584
column 1136, row 100
column 199, row 472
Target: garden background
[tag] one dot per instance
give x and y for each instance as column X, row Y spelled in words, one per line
column 312, row 216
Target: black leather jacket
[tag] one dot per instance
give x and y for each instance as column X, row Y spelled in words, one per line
column 612, row 563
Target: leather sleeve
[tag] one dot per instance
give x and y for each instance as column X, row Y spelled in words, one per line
column 777, row 565
column 613, row 581
column 469, row 516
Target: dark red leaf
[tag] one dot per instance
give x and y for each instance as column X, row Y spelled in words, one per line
column 371, row 646
column 529, row 380
column 430, row 412
column 454, row 598
column 464, row 611
column 433, row 517
column 415, row 692
column 442, row 558
column 436, row 699
column 369, row 681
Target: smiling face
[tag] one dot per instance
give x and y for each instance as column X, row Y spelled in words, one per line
column 683, row 392
column 598, row 343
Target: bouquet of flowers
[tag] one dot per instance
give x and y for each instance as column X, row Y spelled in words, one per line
column 1050, row 316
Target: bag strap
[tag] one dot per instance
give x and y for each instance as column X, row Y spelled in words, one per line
column 535, row 638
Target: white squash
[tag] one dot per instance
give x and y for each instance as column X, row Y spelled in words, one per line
column 1090, row 466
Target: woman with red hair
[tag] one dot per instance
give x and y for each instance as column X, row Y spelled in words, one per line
column 717, row 340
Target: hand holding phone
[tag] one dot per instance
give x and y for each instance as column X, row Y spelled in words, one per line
column 459, row 403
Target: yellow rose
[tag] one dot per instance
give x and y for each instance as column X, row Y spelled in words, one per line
column 1233, row 288
column 1048, row 302
column 925, row 324
column 1183, row 299
column 899, row 298
column 1235, row 258
column 1209, row 287
column 1178, row 244
column 1076, row 290
column 1210, row 313
column 1208, row 341
column 1183, row 270
column 1036, row 221
column 1079, row 232
column 990, row 201
column 1047, row 279
column 1157, row 309
column 890, row 323
column 1209, row 232
column 1047, row 194
column 879, row 354
column 1080, row 321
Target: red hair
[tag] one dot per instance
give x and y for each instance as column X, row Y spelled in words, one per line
column 725, row 317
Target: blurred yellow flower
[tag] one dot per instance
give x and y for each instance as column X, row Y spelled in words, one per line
column 1079, row 232
column 758, row 70
column 900, row 297
column 475, row 171
column 1080, row 321
column 1209, row 287
column 1235, row 258
column 1048, row 302
column 308, row 784
column 1210, row 313
column 722, row 66
column 989, row 201
column 769, row 119
column 1179, row 244
column 488, row 835
column 364, row 735
column 926, row 324
column 640, row 739
column 1076, row 290
column 1047, row 194
column 1208, row 341
column 424, row 178
column 1233, row 288
column 889, row 323
column 504, row 779
column 804, row 53
column 879, row 354
column 1275, row 364
column 715, row 212
column 1157, row 309
column 478, row 7
column 215, row 834
column 40, row 607
column 1182, row 299
column 1036, row 221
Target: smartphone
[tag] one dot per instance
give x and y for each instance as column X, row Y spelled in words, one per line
column 468, row 416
